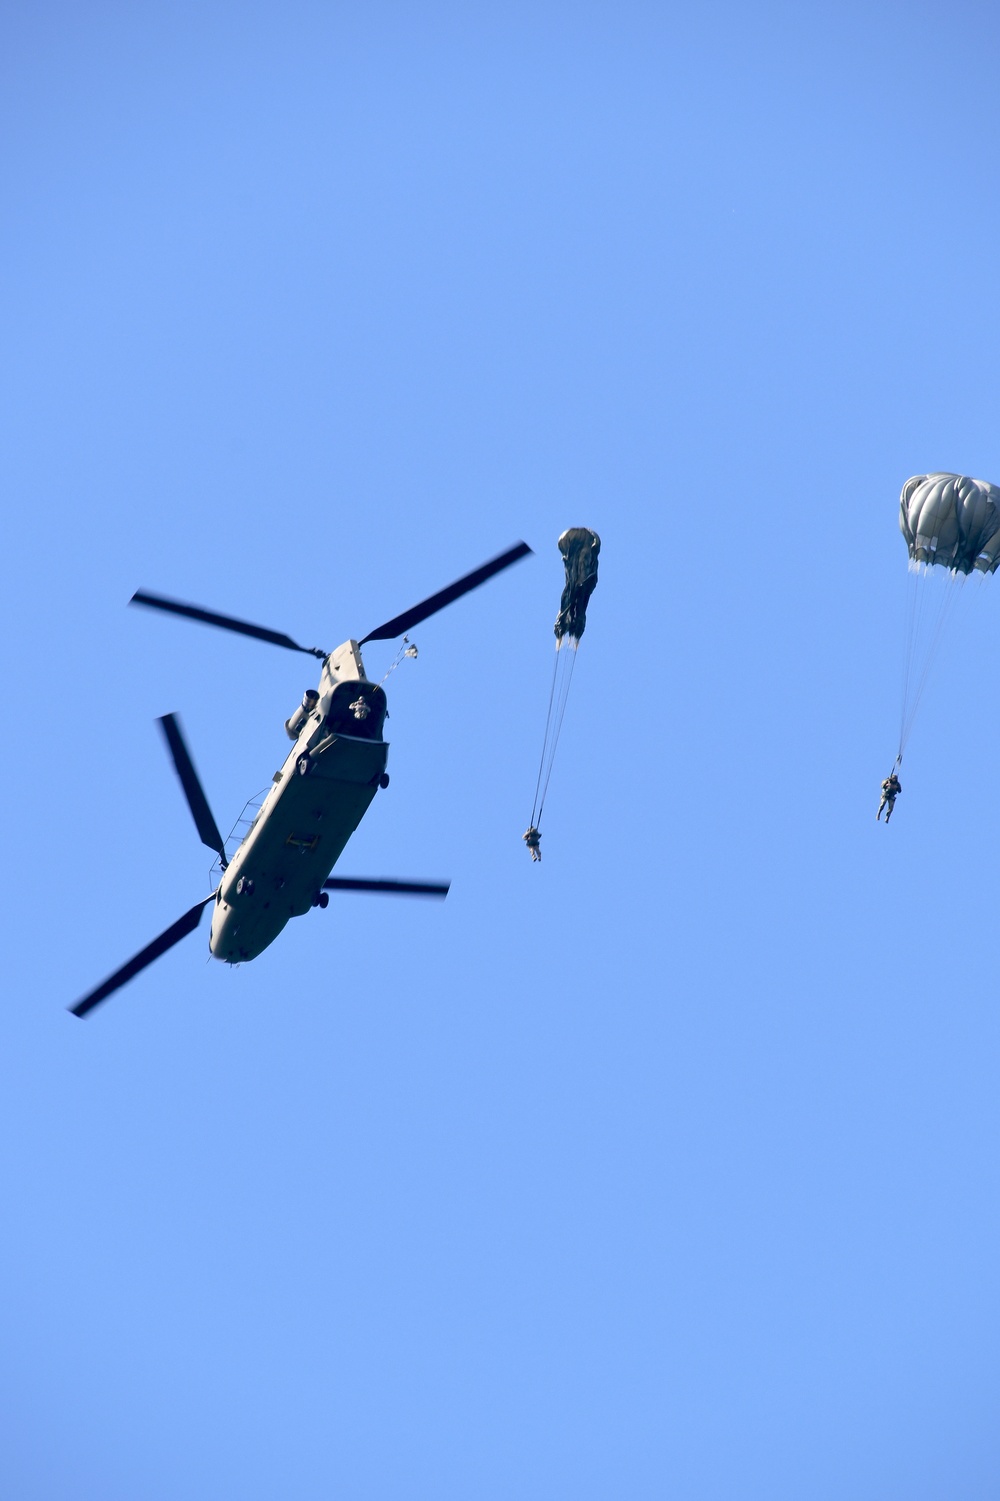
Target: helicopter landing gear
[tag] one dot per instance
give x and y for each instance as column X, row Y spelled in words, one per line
column 244, row 886
column 383, row 780
column 303, row 766
column 322, row 899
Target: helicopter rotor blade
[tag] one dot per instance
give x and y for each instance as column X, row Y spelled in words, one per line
column 207, row 828
column 178, row 930
column 405, row 622
column 225, row 622
column 395, row 888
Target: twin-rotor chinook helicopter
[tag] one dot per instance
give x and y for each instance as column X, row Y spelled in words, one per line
column 318, row 798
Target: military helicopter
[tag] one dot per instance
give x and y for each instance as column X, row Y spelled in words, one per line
column 316, row 801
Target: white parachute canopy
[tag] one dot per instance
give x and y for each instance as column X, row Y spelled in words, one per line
column 951, row 520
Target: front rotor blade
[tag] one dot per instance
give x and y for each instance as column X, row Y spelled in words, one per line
column 397, row 888
column 180, row 929
column 226, row 622
column 193, row 791
column 405, row 622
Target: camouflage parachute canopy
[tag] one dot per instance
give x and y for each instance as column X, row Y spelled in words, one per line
column 952, row 520
column 579, row 547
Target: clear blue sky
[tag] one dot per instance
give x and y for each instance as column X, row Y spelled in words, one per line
column 666, row 1168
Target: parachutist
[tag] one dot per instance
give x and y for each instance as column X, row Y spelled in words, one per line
column 533, row 839
column 891, row 789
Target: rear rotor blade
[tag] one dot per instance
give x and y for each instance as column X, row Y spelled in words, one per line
column 405, row 622
column 397, row 888
column 225, row 622
column 180, row 929
column 193, row 791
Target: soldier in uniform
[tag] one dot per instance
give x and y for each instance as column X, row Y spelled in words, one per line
column 890, row 791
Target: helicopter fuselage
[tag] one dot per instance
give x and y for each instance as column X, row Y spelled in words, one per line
column 317, row 800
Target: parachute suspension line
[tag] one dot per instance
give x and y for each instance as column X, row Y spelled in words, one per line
column 545, row 737
column 922, row 631
column 562, row 697
column 952, row 590
column 911, row 599
column 562, row 677
column 916, row 677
